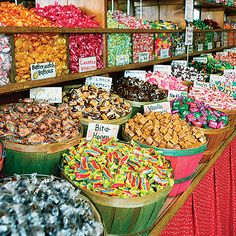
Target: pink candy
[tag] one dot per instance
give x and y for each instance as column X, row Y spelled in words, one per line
column 215, row 99
column 165, row 81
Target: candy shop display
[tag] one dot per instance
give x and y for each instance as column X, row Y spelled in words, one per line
column 96, row 104
column 32, row 123
column 117, row 169
column 177, row 46
column 45, row 206
column 165, row 81
column 216, row 99
column 137, row 90
column 187, row 73
column 163, row 42
column 80, row 45
column 5, row 59
column 198, row 113
column 229, row 57
column 164, row 130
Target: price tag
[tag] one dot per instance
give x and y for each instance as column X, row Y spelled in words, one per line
column 100, row 82
column 189, row 36
column 180, row 62
column 102, row 131
column 139, row 74
column 143, row 56
column 189, row 10
column 172, row 94
column 43, row 70
column 49, row 94
column 200, row 47
column 216, row 78
column 122, row 60
column 218, row 44
column 162, row 68
column 164, row 53
column 200, row 59
column 160, row 107
column 228, row 72
column 87, row 64
column 209, row 46
column 199, row 84
column 223, row 54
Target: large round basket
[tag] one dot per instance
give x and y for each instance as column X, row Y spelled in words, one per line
column 216, row 138
column 137, row 107
column 132, row 216
column 184, row 162
column 232, row 121
column 41, row 159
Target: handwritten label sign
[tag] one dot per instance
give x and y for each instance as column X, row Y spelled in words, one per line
column 100, row 82
column 218, row 44
column 189, row 36
column 139, row 74
column 222, row 54
column 49, row 94
column 87, row 64
column 216, row 78
column 199, row 84
column 189, row 10
column 143, row 56
column 172, row 94
column 162, row 68
column 200, row 47
column 200, row 59
column 101, row 131
column 180, row 62
column 209, row 46
column 122, row 60
column 164, row 53
column 43, row 70
column 160, row 107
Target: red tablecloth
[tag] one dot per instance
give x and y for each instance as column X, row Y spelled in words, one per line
column 211, row 209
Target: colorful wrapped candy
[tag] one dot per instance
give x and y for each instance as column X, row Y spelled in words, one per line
column 163, row 42
column 177, row 46
column 199, row 114
column 117, row 169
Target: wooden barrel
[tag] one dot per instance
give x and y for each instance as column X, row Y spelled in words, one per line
column 137, row 107
column 216, row 137
column 132, row 216
column 41, row 159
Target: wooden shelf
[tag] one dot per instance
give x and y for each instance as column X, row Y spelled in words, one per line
column 174, row 203
column 15, row 87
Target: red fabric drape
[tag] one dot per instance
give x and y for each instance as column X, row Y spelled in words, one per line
column 211, row 209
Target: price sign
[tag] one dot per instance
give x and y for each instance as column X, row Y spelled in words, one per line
column 209, row 46
column 162, row 68
column 189, row 36
column 139, row 74
column 143, row 56
column 199, row 84
column 200, row 59
column 49, row 94
column 200, row 47
column 180, row 62
column 87, row 64
column 215, row 79
column 218, row 44
column 173, row 94
column 223, row 54
column 43, row 70
column 160, row 107
column 101, row 131
column 122, row 60
column 189, row 10
column 164, row 53
column 100, row 82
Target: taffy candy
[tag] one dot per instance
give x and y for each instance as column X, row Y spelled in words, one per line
column 164, row 130
column 117, row 169
column 137, row 90
column 96, row 104
column 165, row 81
column 198, row 113
column 80, row 45
column 215, row 99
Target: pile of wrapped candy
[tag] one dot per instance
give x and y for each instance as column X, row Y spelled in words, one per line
column 32, row 123
column 137, row 90
column 198, row 113
column 164, row 130
column 44, row 206
column 96, row 104
column 229, row 57
column 117, row 169
column 165, row 81
column 80, row 45
column 216, row 99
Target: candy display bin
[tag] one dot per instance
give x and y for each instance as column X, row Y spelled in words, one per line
column 163, row 42
column 2, row 156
